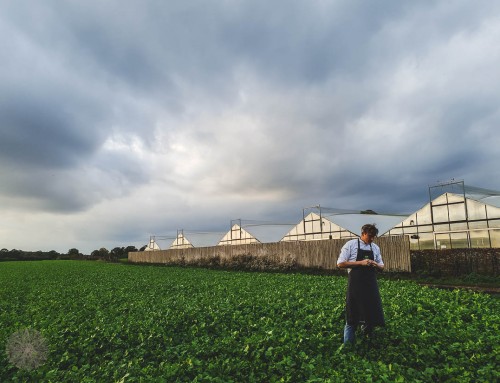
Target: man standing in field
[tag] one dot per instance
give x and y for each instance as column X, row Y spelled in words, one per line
column 362, row 258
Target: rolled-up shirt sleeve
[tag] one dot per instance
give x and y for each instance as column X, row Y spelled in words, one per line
column 345, row 253
column 377, row 257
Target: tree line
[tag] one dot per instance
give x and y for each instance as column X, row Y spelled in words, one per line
column 99, row 254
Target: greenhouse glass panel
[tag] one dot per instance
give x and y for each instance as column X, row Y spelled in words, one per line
column 479, row 239
column 317, row 226
column 425, row 229
column 299, row 229
column 459, row 240
column 475, row 210
column 494, row 223
column 493, row 212
column 458, row 226
column 423, row 216
column 410, row 230
column 457, row 212
column 397, row 231
column 410, row 221
column 441, row 228
column 426, row 241
column 443, row 241
column 495, row 238
column 455, row 198
column 478, row 225
column 441, row 200
column 440, row 213
column 309, row 227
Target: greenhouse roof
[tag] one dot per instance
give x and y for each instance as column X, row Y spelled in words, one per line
column 204, row 239
column 268, row 233
column 488, row 196
column 492, row 200
column 354, row 222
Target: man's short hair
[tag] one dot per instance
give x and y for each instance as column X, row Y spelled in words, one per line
column 370, row 229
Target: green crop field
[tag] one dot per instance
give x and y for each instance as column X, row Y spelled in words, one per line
column 124, row 323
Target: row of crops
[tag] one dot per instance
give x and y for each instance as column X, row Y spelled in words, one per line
column 123, row 323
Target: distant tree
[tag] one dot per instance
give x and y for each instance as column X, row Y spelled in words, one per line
column 369, row 211
column 53, row 254
column 127, row 250
column 4, row 253
column 143, row 248
column 95, row 254
column 116, row 253
column 130, row 249
column 73, row 252
column 16, row 254
column 104, row 253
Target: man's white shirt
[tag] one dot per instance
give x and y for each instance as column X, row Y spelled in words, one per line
column 349, row 251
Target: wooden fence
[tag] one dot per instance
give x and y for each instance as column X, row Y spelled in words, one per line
column 321, row 254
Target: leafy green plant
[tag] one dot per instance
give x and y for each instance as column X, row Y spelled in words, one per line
column 127, row 323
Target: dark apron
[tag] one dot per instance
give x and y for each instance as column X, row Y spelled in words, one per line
column 363, row 298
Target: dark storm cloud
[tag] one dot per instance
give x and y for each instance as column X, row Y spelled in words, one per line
column 307, row 42
column 41, row 133
column 58, row 109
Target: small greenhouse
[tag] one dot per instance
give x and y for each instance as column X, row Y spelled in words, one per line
column 315, row 227
column 152, row 245
column 237, row 236
column 181, row 242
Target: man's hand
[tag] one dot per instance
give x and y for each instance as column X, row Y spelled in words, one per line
column 363, row 263
column 368, row 262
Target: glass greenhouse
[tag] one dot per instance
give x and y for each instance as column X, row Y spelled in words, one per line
column 452, row 221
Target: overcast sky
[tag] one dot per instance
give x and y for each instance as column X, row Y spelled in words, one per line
column 125, row 119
